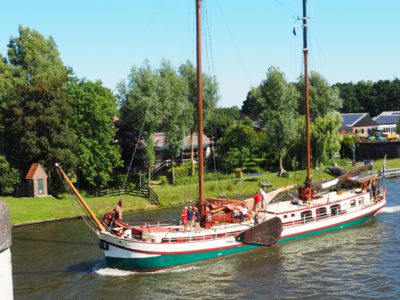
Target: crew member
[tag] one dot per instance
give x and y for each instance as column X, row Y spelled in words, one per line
column 184, row 218
column 118, row 211
column 257, row 200
column 197, row 220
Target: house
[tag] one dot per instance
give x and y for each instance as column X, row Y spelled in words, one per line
column 36, row 185
column 360, row 124
column 161, row 147
column 387, row 121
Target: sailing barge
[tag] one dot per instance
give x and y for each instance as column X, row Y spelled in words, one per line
column 312, row 211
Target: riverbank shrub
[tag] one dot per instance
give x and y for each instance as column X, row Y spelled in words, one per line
column 9, row 177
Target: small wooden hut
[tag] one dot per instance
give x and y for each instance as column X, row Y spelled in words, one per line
column 36, row 181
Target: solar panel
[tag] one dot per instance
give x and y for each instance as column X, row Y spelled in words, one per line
column 396, row 114
column 349, row 119
column 387, row 119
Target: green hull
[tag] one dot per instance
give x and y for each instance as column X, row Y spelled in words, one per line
column 173, row 260
column 333, row 228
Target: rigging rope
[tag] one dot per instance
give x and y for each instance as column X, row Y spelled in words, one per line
column 141, row 130
column 84, row 216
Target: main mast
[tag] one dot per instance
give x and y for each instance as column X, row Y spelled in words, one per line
column 306, row 93
column 200, row 103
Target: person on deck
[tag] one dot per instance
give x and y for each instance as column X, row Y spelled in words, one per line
column 374, row 189
column 256, row 217
column 236, row 213
column 184, row 218
column 118, row 211
column 197, row 220
column 243, row 213
column 190, row 217
column 369, row 190
column 257, row 200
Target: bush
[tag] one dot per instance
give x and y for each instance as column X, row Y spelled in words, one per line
column 163, row 179
column 9, row 177
column 346, row 147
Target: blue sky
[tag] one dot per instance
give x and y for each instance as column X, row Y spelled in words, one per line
column 348, row 40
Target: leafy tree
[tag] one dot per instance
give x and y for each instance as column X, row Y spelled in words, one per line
column 9, row 177
column 347, row 144
column 254, row 104
column 324, row 99
column 139, row 105
column 325, row 137
column 348, row 93
column 159, row 99
column 36, row 112
column 238, row 145
column 398, row 126
column 279, row 114
column 176, row 111
column 219, row 120
column 325, row 140
column 94, row 108
column 188, row 73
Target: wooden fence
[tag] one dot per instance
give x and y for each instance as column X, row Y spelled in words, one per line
column 144, row 192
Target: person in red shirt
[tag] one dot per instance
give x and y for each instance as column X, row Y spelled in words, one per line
column 184, row 218
column 257, row 200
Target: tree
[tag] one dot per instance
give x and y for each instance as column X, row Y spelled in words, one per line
column 238, row 145
column 253, row 104
column 156, row 99
column 176, row 111
column 36, row 111
column 398, row 126
column 366, row 95
column 348, row 93
column 324, row 99
column 9, row 177
column 139, row 106
column 279, row 114
column 219, row 120
column 188, row 73
column 94, row 108
column 325, row 137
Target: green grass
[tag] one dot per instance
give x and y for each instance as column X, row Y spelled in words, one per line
column 25, row 210
column 35, row 209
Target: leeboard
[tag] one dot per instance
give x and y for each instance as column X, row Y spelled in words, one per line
column 265, row 234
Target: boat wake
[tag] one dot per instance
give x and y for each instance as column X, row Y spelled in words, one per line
column 389, row 210
column 118, row 273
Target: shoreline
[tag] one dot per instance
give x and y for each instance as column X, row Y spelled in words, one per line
column 31, row 211
column 80, row 217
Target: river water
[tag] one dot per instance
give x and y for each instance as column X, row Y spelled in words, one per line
column 61, row 260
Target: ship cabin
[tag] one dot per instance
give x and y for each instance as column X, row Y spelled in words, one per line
column 355, row 193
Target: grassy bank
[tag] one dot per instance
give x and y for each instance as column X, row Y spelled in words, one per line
column 25, row 210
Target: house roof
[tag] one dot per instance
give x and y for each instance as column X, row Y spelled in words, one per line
column 388, row 117
column 351, row 120
column 33, row 169
column 160, row 141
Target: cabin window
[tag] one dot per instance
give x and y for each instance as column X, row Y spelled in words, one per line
column 335, row 209
column 362, row 130
column 361, row 200
column 284, row 216
column 353, row 202
column 306, row 216
column 292, row 215
column 321, row 213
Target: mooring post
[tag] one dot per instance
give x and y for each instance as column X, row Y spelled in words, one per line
column 6, row 283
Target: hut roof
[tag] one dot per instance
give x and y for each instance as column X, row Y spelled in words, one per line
column 33, row 169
